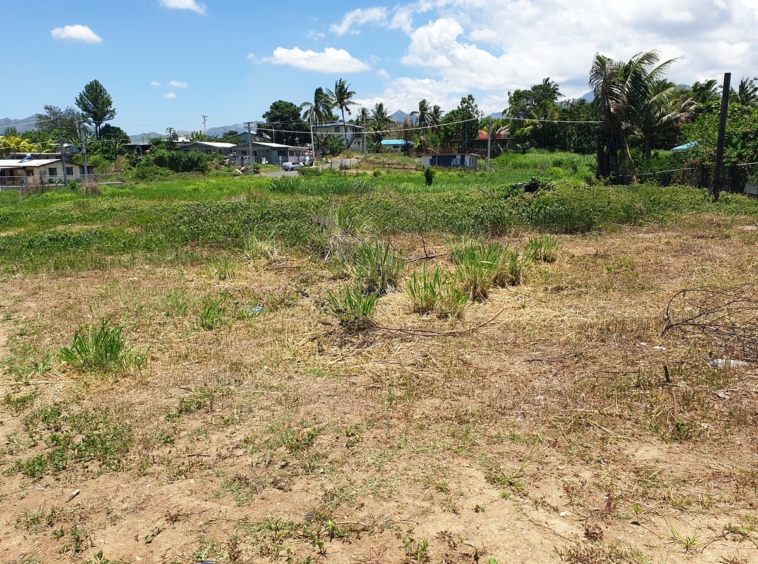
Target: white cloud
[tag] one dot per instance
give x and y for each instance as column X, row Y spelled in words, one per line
column 359, row 17
column 76, row 33
column 155, row 83
column 383, row 74
column 170, row 96
column 315, row 35
column 177, row 84
column 184, row 5
column 329, row 60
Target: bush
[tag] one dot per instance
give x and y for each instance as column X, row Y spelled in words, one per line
column 544, row 248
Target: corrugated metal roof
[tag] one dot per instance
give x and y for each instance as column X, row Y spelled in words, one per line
column 215, row 144
column 14, row 163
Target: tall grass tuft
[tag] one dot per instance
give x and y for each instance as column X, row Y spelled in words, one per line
column 477, row 267
column 102, row 349
column 222, row 268
column 544, row 248
column 512, row 269
column 436, row 292
column 353, row 308
column 377, row 267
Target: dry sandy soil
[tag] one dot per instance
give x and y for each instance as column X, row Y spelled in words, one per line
column 549, row 434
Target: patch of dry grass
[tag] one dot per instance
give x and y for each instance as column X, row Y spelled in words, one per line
column 549, row 434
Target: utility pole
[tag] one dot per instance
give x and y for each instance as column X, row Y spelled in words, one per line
column 63, row 160
column 489, row 145
column 205, row 132
column 83, row 137
column 250, row 147
column 313, row 147
column 365, row 146
column 719, row 169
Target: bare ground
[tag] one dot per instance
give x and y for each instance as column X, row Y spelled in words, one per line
column 547, row 435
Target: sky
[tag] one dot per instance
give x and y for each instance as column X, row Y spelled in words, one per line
column 166, row 63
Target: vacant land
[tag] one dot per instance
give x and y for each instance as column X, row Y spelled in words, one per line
column 183, row 382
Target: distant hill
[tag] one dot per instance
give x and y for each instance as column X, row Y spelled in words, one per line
column 28, row 124
column 400, row 116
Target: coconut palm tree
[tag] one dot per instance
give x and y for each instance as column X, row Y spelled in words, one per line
column 342, row 97
column 622, row 90
column 664, row 105
column 320, row 110
column 423, row 113
column 747, row 92
column 705, row 92
column 380, row 121
column 435, row 118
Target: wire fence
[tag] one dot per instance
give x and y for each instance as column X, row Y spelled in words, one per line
column 30, row 184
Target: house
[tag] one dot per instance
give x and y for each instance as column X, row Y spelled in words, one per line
column 271, row 153
column 211, row 147
column 350, row 133
column 397, row 145
column 450, row 160
column 498, row 144
column 14, row 172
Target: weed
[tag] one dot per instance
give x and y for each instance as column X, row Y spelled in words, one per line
column 353, row 308
column 542, row 249
column 688, row 543
column 223, row 268
column 435, row 292
column 416, row 551
column 266, row 250
column 19, row 403
column 100, row 559
column 102, row 349
column 176, row 303
column 213, row 314
column 199, row 399
column 377, row 267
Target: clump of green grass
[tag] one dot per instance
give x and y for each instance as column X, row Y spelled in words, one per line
column 257, row 249
column 213, row 314
column 377, row 267
column 353, row 307
column 480, row 266
column 102, row 349
column 436, row 292
column 512, row 269
column 542, row 249
column 222, row 268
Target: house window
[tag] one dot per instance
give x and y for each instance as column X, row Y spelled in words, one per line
column 338, row 130
column 29, row 173
column 70, row 170
column 244, row 152
column 52, row 172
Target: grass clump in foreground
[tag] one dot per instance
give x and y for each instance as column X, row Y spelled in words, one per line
column 436, row 292
column 353, row 308
column 377, row 267
column 102, row 349
column 480, row 266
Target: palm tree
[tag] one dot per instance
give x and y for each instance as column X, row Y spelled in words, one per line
column 705, row 92
column 435, row 118
column 747, row 93
column 423, row 113
column 320, row 110
column 342, row 97
column 622, row 90
column 664, row 105
column 380, row 121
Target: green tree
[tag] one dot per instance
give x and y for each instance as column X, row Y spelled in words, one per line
column 285, row 122
column 57, row 120
column 747, row 92
column 379, row 122
column 423, row 114
column 341, row 97
column 111, row 143
column 96, row 105
column 531, row 112
column 320, row 109
column 621, row 89
column 461, row 125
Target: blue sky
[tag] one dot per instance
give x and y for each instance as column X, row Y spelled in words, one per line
column 168, row 62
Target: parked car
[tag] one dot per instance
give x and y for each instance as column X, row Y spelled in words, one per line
column 292, row 166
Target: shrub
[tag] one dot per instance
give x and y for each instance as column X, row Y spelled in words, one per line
column 377, row 267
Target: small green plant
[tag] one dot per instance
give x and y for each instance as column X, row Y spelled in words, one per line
column 477, row 266
column 542, row 249
column 265, row 250
column 377, row 267
column 213, row 314
column 353, row 308
column 100, row 559
column 417, row 551
column 428, row 176
column 102, row 349
column 435, row 292
column 223, row 268
column 19, row 403
column 512, row 269
column 688, row 543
